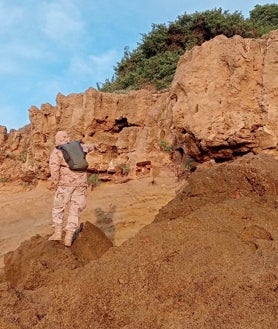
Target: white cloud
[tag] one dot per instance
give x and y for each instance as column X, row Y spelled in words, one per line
column 93, row 64
column 61, row 21
column 87, row 71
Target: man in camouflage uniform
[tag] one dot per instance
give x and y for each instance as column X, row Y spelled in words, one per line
column 71, row 189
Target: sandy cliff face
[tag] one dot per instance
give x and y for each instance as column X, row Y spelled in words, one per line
column 208, row 261
column 222, row 103
column 226, row 95
column 209, row 258
column 127, row 129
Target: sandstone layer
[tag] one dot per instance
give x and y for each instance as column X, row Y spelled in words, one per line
column 208, row 261
column 222, row 104
column 201, row 257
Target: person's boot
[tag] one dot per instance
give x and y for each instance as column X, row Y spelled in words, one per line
column 68, row 238
column 57, row 235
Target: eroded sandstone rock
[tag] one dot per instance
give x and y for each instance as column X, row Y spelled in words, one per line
column 222, row 104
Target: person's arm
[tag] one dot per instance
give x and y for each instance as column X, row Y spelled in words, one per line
column 54, row 165
column 87, row 148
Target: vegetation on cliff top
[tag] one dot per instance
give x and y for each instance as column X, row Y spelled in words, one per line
column 153, row 62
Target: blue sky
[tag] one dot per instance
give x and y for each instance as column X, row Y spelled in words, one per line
column 67, row 46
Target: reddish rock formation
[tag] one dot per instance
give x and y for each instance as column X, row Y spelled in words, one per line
column 210, row 258
column 225, row 96
column 222, row 104
column 209, row 261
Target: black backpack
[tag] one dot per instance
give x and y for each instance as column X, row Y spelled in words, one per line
column 74, row 155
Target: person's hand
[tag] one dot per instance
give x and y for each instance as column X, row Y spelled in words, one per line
column 52, row 186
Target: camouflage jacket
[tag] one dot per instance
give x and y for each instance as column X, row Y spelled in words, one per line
column 61, row 175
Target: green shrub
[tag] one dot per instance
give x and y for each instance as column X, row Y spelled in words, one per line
column 125, row 169
column 165, row 146
column 154, row 61
column 93, row 180
column 187, row 165
column 23, row 157
column 4, row 180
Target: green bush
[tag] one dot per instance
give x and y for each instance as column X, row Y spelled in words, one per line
column 154, row 61
column 165, row 146
column 93, row 180
column 264, row 18
column 125, row 169
column 4, row 180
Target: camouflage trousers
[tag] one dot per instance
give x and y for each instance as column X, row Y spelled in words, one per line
column 74, row 199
